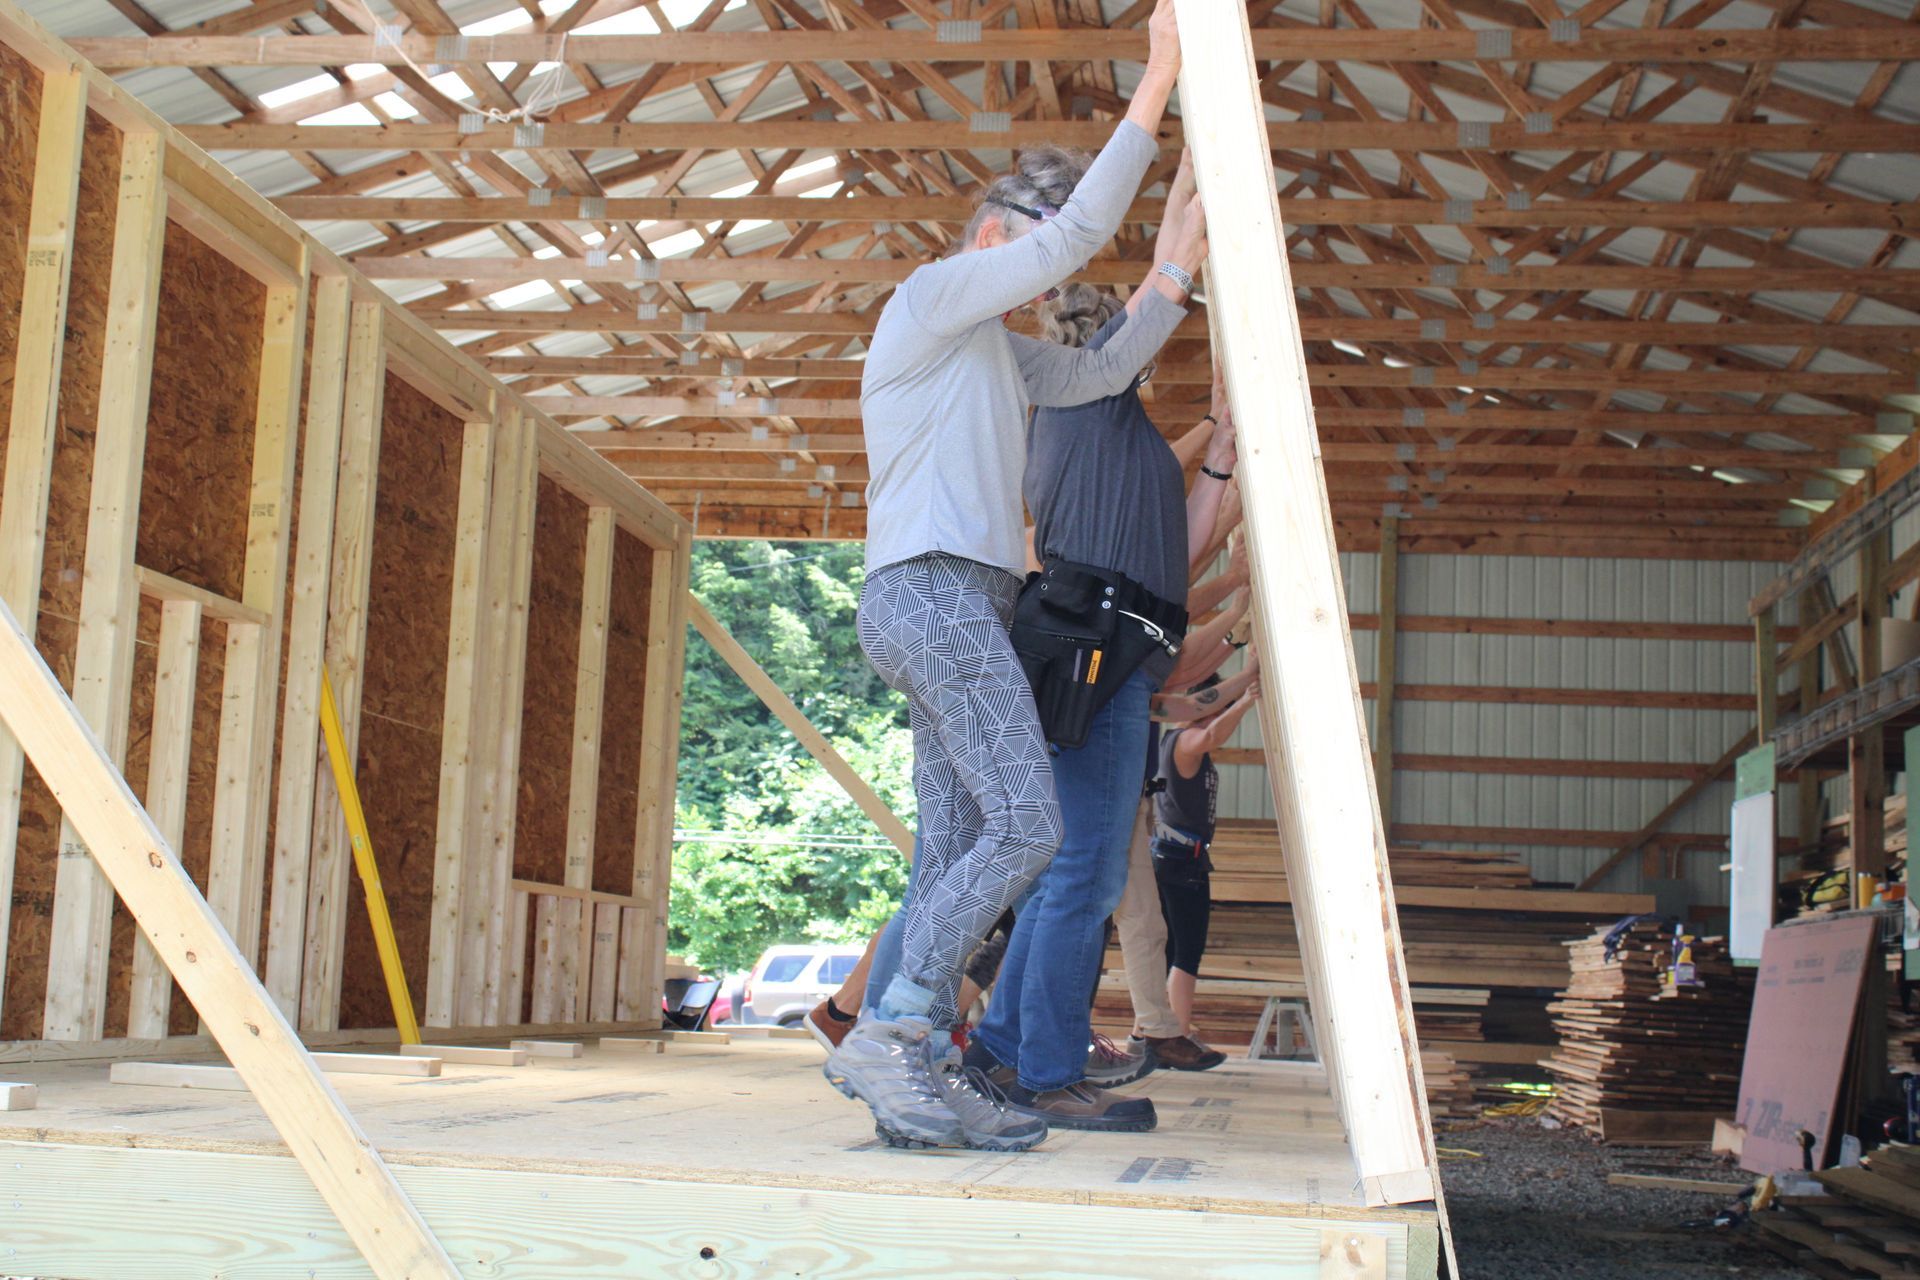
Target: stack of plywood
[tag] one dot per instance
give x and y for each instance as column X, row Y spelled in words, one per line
column 1627, row 1044
column 1867, row 1224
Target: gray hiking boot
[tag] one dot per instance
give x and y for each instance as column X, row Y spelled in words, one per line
column 1109, row 1066
column 885, row 1065
column 981, row 1105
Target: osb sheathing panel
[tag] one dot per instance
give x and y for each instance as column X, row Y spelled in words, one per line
column 193, row 501
column 553, row 660
column 620, row 725
column 20, row 1016
column 193, row 520
column 403, row 699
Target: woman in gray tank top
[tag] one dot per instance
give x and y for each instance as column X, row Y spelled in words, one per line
column 943, row 404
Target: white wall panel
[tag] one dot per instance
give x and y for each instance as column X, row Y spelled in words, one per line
column 1541, row 587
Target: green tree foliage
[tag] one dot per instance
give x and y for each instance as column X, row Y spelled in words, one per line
column 773, row 850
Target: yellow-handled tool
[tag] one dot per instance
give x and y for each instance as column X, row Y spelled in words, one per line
column 369, row 871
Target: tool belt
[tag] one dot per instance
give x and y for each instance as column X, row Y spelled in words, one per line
column 1180, row 857
column 1081, row 633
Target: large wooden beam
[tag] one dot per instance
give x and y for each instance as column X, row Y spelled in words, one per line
column 661, row 440
column 1312, row 719
column 346, row 640
column 1076, row 44
column 237, row 875
column 1673, row 214
column 76, row 1003
column 644, row 947
column 1518, row 278
column 39, row 344
column 249, row 1027
column 306, row 643
column 455, row 841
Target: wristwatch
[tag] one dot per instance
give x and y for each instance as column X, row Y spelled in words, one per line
column 1178, row 274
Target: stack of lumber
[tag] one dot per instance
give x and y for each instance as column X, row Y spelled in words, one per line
column 1444, row 948
column 1226, row 1011
column 1450, row 1088
column 1903, row 1034
column 1247, row 853
column 1867, row 1223
column 1626, row 1045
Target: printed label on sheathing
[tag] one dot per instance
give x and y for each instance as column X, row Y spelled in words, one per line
column 1163, row 1169
column 1211, row 1102
column 1208, row 1121
column 448, row 1082
column 467, row 1119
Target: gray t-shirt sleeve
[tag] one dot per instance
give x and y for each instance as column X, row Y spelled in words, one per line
column 954, row 294
column 1058, row 376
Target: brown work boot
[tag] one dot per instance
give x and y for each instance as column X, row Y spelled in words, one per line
column 1178, row 1053
column 1081, row 1106
column 826, row 1028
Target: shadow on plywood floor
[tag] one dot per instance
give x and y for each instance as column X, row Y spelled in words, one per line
column 1535, row 1204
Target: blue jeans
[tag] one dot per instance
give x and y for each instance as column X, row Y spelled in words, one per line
column 1038, row 1021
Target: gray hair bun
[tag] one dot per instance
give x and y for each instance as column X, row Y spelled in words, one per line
column 1043, row 178
column 1077, row 314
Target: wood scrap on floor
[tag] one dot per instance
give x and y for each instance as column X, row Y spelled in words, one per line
column 1629, row 1044
column 1867, row 1223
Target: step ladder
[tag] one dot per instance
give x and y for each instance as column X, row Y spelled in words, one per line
column 1284, row 1033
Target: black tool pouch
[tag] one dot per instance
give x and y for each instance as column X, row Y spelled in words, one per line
column 1180, row 859
column 1064, row 626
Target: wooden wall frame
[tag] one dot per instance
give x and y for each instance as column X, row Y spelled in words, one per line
column 302, row 589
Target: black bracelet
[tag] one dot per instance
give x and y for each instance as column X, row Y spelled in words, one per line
column 1207, row 417
column 1206, row 470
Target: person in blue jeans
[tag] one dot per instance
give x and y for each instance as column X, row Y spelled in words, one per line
column 1106, row 492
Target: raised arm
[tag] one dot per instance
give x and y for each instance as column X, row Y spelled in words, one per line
column 1204, row 597
column 1059, row 375
column 951, row 296
column 1197, row 741
column 1207, row 648
column 1210, row 486
column 1181, row 240
column 1183, row 708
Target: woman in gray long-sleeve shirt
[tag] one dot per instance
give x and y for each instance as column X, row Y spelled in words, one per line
column 944, row 404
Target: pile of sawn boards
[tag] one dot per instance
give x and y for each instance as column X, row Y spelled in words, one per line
column 1625, row 1044
column 1866, row 1224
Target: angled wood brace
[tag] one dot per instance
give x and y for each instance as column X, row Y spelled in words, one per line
column 209, row 968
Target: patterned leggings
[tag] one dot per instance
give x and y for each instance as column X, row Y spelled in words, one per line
column 935, row 628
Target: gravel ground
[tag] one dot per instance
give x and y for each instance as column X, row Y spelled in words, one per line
column 1537, row 1204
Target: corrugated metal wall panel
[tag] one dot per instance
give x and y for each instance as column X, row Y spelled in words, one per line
column 1656, row 591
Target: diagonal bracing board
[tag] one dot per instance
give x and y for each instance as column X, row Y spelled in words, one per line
column 1319, row 763
column 146, row 873
column 802, row 728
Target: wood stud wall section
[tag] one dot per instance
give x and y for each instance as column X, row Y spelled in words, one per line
column 268, row 848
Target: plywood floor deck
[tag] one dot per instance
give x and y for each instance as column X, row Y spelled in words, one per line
column 1260, row 1142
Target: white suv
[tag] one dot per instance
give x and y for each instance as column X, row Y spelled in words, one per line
column 788, row 981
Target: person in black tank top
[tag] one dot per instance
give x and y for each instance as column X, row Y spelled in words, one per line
column 1185, row 789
